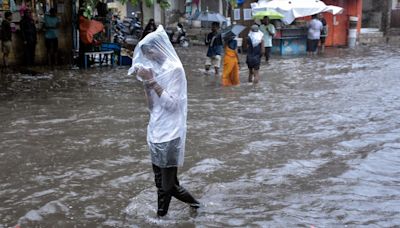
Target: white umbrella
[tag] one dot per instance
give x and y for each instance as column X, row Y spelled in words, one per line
column 292, row 9
column 209, row 16
column 232, row 30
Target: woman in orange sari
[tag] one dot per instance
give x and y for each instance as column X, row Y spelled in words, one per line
column 230, row 74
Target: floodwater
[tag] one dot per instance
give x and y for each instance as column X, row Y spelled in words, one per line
column 316, row 144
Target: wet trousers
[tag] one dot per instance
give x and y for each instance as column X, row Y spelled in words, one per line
column 267, row 53
column 167, row 186
column 29, row 53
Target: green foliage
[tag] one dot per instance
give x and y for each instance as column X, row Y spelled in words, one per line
column 148, row 3
column 89, row 6
column 232, row 2
column 164, row 4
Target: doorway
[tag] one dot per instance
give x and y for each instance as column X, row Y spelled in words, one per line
column 372, row 14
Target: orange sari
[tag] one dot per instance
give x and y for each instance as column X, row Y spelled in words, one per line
column 230, row 74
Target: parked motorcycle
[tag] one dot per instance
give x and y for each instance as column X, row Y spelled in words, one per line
column 180, row 38
column 128, row 31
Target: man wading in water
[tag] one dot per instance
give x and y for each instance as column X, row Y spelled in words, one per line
column 157, row 65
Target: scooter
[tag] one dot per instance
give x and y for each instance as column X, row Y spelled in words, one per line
column 181, row 38
column 128, row 31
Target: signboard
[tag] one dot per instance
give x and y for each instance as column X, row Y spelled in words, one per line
column 247, row 14
column 236, row 14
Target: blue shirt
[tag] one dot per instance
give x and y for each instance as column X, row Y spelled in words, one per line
column 51, row 24
column 214, row 42
column 232, row 44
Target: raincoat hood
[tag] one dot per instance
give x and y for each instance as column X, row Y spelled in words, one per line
column 256, row 37
column 155, row 51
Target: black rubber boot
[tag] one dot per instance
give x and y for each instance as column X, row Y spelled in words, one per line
column 163, row 198
column 163, row 202
column 183, row 195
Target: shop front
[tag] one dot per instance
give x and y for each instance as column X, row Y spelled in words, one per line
column 291, row 38
column 39, row 8
column 339, row 25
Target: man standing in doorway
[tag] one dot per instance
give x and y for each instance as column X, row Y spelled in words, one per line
column 51, row 24
column 28, row 31
column 269, row 32
column 6, row 37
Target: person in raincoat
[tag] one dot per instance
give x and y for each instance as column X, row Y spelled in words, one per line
column 230, row 74
column 157, row 65
column 255, row 51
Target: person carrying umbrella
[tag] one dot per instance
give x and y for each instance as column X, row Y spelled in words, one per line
column 269, row 32
column 215, row 46
column 157, row 65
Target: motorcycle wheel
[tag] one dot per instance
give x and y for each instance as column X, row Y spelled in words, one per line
column 184, row 43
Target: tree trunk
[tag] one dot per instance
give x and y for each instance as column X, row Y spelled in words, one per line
column 141, row 13
column 385, row 17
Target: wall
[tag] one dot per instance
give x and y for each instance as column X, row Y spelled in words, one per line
column 147, row 14
column 211, row 5
column 175, row 12
column 247, row 23
column 372, row 14
column 395, row 4
column 158, row 14
column 121, row 10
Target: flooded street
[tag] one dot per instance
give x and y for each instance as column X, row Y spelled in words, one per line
column 317, row 143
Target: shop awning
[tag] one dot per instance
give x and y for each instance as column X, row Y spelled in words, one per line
column 292, row 9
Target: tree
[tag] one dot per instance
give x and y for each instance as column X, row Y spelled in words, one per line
column 89, row 5
column 164, row 4
column 229, row 6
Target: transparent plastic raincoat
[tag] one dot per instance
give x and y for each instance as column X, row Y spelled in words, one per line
column 256, row 37
column 166, row 131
